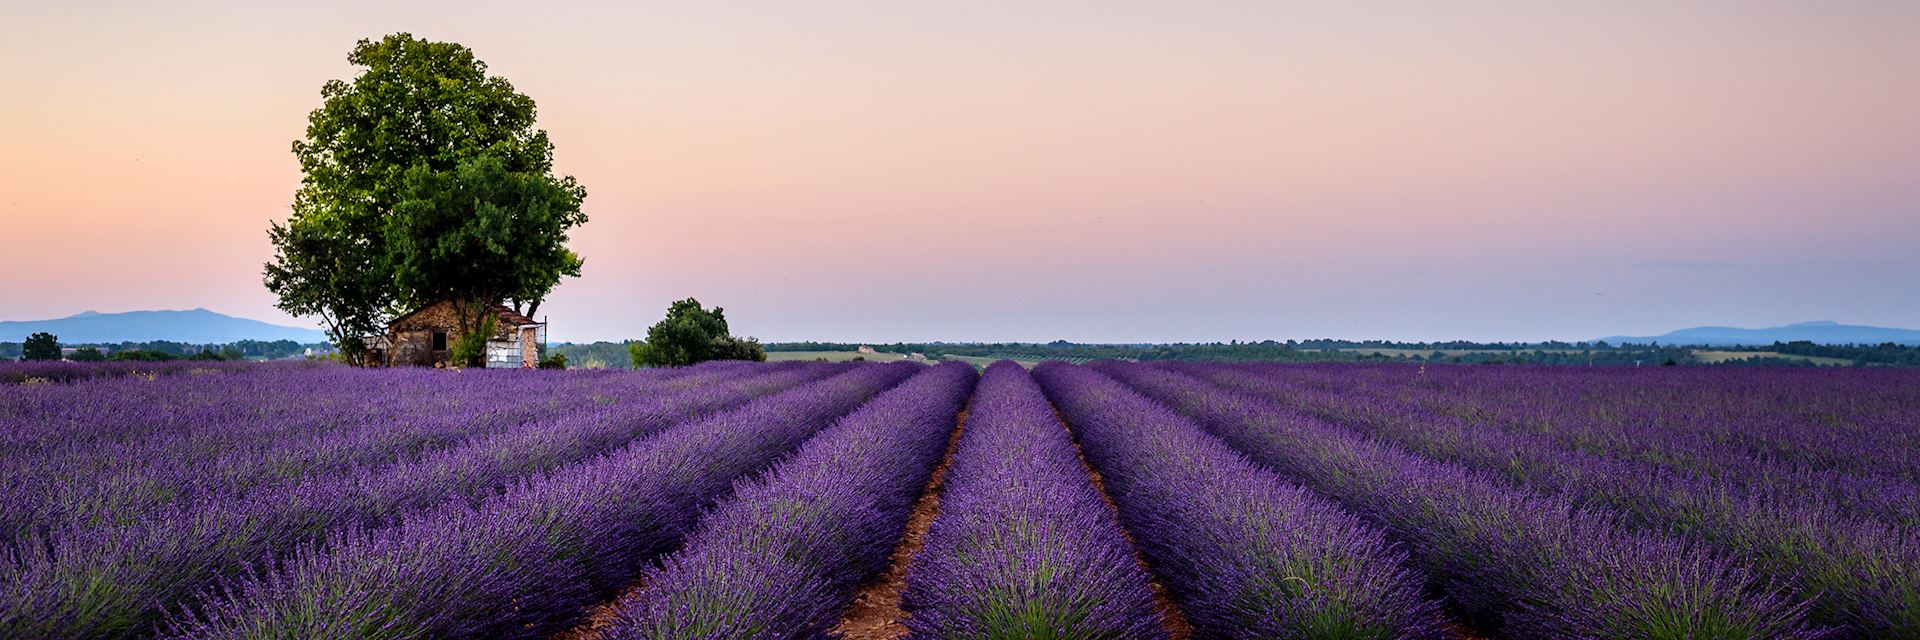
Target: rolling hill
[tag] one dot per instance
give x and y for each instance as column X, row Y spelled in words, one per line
column 1822, row 332
column 194, row 326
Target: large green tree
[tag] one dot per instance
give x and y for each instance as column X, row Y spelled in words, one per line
column 482, row 233
column 691, row 334
column 40, row 346
column 391, row 160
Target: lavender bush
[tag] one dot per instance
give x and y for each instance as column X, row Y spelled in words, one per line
column 86, row 580
column 1529, row 565
column 1866, row 574
column 783, row 557
column 1024, row 546
column 1246, row 554
column 525, row 563
column 1855, row 423
column 228, row 436
column 1851, row 438
column 60, row 371
column 301, row 500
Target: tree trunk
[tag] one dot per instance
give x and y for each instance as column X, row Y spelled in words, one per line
column 470, row 312
column 352, row 350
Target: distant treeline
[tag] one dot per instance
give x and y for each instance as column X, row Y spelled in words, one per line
column 1879, row 354
column 815, row 346
column 1461, row 352
column 613, row 355
column 596, row 355
column 169, row 350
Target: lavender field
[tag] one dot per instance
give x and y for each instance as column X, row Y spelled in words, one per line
column 868, row 500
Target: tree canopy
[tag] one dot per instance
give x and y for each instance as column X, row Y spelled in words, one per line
column 40, row 346
column 424, row 178
column 482, row 233
column 691, row 334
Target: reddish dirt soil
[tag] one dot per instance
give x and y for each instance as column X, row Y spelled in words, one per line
column 876, row 613
column 598, row 618
column 1171, row 619
column 1460, row 631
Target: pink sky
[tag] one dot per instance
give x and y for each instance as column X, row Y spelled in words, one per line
column 1094, row 172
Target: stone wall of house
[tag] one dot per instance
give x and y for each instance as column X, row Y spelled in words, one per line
column 529, row 348
column 414, row 347
column 412, row 336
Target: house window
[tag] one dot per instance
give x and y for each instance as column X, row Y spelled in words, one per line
column 439, row 341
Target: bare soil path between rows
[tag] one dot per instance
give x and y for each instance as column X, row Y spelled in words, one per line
column 599, row 617
column 875, row 613
column 1171, row 619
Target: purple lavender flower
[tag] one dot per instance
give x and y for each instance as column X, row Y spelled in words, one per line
column 783, row 557
column 1024, row 546
column 1529, row 565
column 1245, row 554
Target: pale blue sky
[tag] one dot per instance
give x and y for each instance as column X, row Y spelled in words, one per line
column 1151, row 171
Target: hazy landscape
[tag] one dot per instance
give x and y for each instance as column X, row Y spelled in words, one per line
column 412, row 320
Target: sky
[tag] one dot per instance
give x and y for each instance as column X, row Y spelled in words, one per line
column 1089, row 171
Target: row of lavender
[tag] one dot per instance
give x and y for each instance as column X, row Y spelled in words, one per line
column 1790, row 425
column 526, row 562
column 111, row 451
column 1024, row 546
column 1863, row 571
column 30, row 372
column 782, row 557
column 1519, row 538
column 1246, row 554
column 1849, row 436
column 1271, row 502
column 88, row 578
column 1521, row 562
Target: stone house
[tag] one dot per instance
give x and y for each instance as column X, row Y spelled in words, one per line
column 426, row 337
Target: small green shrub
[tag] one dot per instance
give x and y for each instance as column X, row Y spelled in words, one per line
column 471, row 349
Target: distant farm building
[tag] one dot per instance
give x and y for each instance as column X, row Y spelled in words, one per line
column 425, row 338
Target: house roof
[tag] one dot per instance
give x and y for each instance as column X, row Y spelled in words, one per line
column 512, row 316
column 504, row 313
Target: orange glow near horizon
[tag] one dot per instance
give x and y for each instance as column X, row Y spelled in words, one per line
column 868, row 171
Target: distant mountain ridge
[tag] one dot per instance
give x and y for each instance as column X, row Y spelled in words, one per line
column 1820, row 331
column 193, row 326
